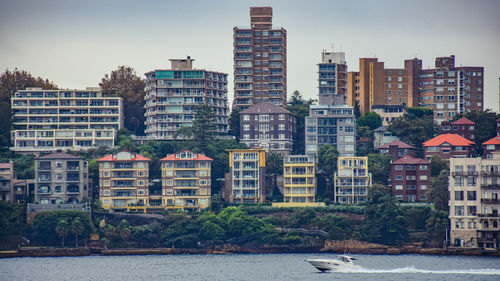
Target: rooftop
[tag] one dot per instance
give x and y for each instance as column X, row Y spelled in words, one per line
column 410, row 160
column 123, row 156
column 265, row 107
column 463, row 121
column 495, row 140
column 173, row 157
column 59, row 155
column 397, row 143
column 453, row 139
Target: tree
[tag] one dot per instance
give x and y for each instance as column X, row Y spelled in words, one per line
column 437, row 165
column 370, row 119
column 327, row 165
column 274, row 167
column 10, row 83
column 379, row 166
column 77, row 228
column 210, row 231
column 415, row 128
column 436, row 226
column 62, row 230
column 357, row 110
column 125, row 83
column 438, row 193
column 234, row 123
column 300, row 108
column 485, row 127
column 10, row 219
column 124, row 230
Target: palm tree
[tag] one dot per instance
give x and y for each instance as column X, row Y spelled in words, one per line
column 77, row 229
column 62, row 230
column 274, row 167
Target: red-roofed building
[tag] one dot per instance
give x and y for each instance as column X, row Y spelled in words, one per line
column 397, row 149
column 490, row 146
column 410, row 178
column 124, row 182
column 186, row 181
column 463, row 127
column 447, row 146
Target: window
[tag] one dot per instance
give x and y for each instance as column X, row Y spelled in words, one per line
column 281, row 127
column 246, row 127
column 399, row 177
column 423, row 167
column 399, row 187
column 423, row 177
column 399, row 167
column 423, row 187
column 459, row 210
column 459, row 195
column 471, row 195
column 246, row 117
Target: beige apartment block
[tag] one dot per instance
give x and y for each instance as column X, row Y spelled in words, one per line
column 299, row 173
column 49, row 120
column 186, row 181
column 474, row 202
column 352, row 180
column 124, row 182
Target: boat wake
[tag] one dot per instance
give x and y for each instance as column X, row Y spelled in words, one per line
column 411, row 269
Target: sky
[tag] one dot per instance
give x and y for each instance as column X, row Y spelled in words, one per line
column 74, row 43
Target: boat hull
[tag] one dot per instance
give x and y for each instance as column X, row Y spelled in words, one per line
column 327, row 265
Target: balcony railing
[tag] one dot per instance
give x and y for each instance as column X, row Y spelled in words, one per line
column 490, row 186
column 465, row 173
column 490, row 200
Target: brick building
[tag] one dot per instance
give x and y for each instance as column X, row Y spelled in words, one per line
column 410, row 178
column 397, row 149
column 447, row 146
column 463, row 127
column 490, row 146
column 268, row 126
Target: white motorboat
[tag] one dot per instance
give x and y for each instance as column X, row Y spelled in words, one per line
column 342, row 262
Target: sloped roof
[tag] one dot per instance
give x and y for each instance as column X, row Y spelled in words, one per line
column 173, row 157
column 453, row 139
column 265, row 107
column 111, row 157
column 410, row 160
column 5, row 165
column 380, row 129
column 59, row 155
column 463, row 121
column 397, row 143
column 495, row 140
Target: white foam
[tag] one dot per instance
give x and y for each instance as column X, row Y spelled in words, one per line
column 412, row 269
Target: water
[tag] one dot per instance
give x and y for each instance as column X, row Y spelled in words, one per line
column 247, row 267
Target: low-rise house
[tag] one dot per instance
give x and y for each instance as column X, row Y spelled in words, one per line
column 490, row 146
column 447, row 146
column 382, row 136
column 397, row 149
column 352, row 180
column 245, row 183
column 186, row 181
column 389, row 112
column 61, row 178
column 268, row 126
column 463, row 127
column 474, row 188
column 410, row 178
column 124, row 182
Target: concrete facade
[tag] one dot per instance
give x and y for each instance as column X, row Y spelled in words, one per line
column 173, row 94
column 61, row 178
column 332, row 78
column 474, row 202
column 48, row 120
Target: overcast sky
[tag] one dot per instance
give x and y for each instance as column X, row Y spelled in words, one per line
column 74, row 43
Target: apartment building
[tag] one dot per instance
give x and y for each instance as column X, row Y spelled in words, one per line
column 299, row 173
column 331, row 124
column 6, row 181
column 61, row 178
column 474, row 202
column 447, row 89
column 268, row 126
column 410, row 178
column 186, row 181
column 259, row 61
column 48, row 120
column 397, row 149
column 374, row 84
column 332, row 78
column 389, row 112
column 463, row 127
column 124, row 182
column 245, row 182
column 173, row 94
column 352, row 180
column 447, row 146
column 450, row 90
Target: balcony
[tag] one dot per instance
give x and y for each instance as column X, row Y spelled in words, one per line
column 73, row 168
column 73, row 189
column 465, row 173
column 44, row 190
column 490, row 200
column 73, row 179
column 491, row 186
column 491, row 215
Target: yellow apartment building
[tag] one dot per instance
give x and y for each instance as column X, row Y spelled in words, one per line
column 352, row 180
column 245, row 183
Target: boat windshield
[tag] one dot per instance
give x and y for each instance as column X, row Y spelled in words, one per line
column 343, row 259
